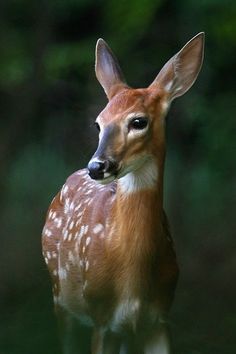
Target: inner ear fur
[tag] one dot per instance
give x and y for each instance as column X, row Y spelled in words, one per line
column 108, row 71
column 181, row 71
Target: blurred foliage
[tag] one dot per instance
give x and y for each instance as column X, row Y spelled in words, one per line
column 49, row 98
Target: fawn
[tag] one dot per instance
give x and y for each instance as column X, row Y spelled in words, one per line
column 106, row 240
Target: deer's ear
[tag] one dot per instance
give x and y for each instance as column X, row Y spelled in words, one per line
column 107, row 70
column 180, row 72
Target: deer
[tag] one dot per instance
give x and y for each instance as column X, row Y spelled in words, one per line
column 106, row 240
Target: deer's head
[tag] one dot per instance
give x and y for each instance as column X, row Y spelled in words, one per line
column 132, row 125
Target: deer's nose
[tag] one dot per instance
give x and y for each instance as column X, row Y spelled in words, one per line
column 96, row 169
column 100, row 169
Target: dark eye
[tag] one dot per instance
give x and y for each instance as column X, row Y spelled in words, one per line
column 97, row 126
column 138, row 123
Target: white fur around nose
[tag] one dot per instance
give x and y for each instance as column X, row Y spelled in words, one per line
column 145, row 177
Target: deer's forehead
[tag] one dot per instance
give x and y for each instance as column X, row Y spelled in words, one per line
column 130, row 102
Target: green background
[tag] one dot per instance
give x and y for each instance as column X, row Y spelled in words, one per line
column 49, row 98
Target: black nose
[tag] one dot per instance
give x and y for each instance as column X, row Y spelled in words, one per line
column 96, row 169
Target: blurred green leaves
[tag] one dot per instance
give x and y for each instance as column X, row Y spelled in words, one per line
column 15, row 61
column 61, row 58
column 127, row 21
column 35, row 175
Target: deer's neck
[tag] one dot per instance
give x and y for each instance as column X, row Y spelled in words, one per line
column 138, row 230
column 138, row 207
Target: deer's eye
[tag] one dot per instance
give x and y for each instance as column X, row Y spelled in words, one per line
column 97, row 126
column 138, row 123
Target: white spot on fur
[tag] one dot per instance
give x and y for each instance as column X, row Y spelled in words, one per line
column 65, row 235
column 72, row 205
column 62, row 273
column 80, row 214
column 97, row 228
column 85, row 229
column 47, row 232
column 78, row 207
column 81, row 233
column 71, row 225
column 86, row 266
column 67, row 205
column 88, row 192
column 87, row 200
column 88, row 240
column 65, row 189
column 54, row 214
column 54, row 254
column 58, row 222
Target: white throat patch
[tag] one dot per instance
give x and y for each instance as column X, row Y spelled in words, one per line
column 143, row 178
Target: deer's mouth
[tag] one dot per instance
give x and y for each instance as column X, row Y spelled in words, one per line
column 108, row 178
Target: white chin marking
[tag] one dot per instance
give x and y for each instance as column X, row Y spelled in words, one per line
column 106, row 180
column 107, row 174
column 143, row 178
